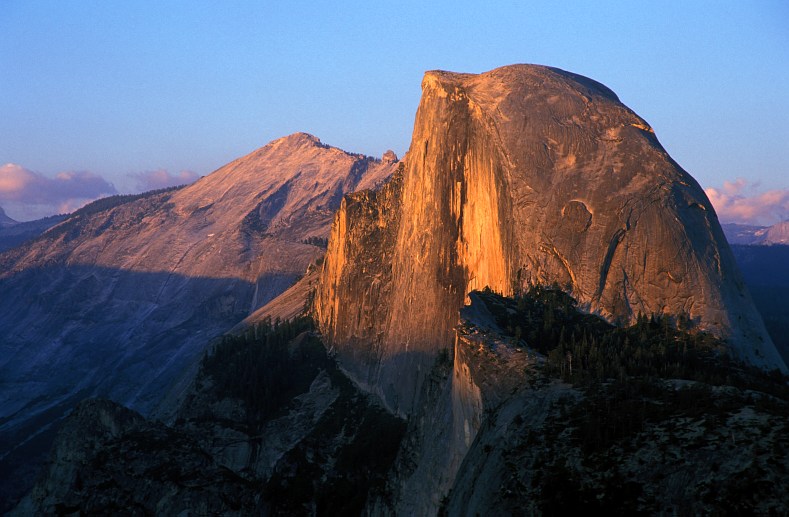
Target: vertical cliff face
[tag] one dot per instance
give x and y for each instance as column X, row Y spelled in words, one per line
column 485, row 373
column 355, row 289
column 518, row 175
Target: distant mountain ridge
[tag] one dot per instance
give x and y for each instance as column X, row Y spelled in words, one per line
column 6, row 221
column 16, row 234
column 757, row 235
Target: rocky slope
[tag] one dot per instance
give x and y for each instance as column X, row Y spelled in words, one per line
column 525, row 174
column 316, row 446
column 119, row 298
column 506, row 429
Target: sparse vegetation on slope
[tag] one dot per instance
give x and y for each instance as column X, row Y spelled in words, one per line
column 333, row 445
column 584, row 349
column 321, row 242
column 71, row 227
column 666, row 421
column 108, row 202
column 259, row 368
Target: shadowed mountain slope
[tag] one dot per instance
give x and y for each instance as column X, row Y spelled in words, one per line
column 15, row 234
column 119, row 298
column 767, row 276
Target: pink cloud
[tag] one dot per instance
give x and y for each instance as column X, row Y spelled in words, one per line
column 32, row 192
column 151, row 180
column 738, row 202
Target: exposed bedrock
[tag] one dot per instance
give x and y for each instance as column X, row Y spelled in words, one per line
column 525, row 174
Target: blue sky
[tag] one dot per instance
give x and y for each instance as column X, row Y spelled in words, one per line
column 137, row 94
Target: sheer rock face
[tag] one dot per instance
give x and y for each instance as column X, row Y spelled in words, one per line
column 354, row 296
column 527, row 174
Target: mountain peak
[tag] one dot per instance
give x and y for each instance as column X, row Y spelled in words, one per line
column 173, row 269
column 299, row 139
column 757, row 235
column 518, row 176
column 389, row 156
column 777, row 233
column 500, row 81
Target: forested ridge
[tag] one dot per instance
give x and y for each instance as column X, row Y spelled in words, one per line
column 658, row 400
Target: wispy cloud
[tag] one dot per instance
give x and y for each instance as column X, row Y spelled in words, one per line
column 34, row 194
column 27, row 194
column 151, row 180
column 740, row 202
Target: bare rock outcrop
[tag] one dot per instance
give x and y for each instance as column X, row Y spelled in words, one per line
column 525, row 174
column 389, row 156
column 317, row 446
column 500, row 430
column 757, row 235
column 777, row 233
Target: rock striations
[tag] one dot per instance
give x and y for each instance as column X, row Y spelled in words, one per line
column 525, row 174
